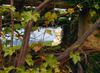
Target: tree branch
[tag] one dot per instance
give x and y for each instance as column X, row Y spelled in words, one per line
column 66, row 53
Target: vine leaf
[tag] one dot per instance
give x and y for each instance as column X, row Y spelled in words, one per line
column 7, row 30
column 21, row 68
column 28, row 16
column 9, row 51
column 54, row 15
column 70, row 10
column 96, row 6
column 48, row 31
column 36, row 48
column 23, row 24
column 29, row 60
column 57, row 70
column 13, row 8
column 47, row 14
column 75, row 57
column 92, row 12
column 43, row 70
column 17, row 16
column 8, row 69
column 17, row 26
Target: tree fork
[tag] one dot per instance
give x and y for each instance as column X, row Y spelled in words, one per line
column 24, row 47
column 66, row 53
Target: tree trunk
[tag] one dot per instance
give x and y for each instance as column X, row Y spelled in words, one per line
column 24, row 47
column 66, row 53
column 12, row 22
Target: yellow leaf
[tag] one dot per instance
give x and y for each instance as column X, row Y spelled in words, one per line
column 36, row 48
column 20, row 39
column 48, row 31
column 57, row 70
column 13, row 8
column 70, row 10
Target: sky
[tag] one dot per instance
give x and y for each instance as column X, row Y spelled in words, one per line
column 38, row 35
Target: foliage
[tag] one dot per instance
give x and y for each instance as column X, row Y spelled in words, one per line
column 75, row 57
column 50, row 62
column 9, row 51
column 48, row 31
column 29, row 60
column 28, row 16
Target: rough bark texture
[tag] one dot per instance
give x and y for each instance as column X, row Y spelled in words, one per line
column 24, row 47
column 66, row 53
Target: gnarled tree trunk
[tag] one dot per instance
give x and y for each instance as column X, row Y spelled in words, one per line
column 24, row 47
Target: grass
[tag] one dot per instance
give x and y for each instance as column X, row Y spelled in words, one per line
column 48, row 43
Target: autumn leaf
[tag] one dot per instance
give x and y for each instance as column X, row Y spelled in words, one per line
column 48, row 31
column 36, row 48
column 46, row 22
column 20, row 39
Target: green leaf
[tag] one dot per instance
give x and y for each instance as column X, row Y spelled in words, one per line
column 70, row 10
column 23, row 24
column 9, row 51
column 8, row 69
column 51, row 61
column 54, row 15
column 7, row 30
column 45, row 64
column 29, row 60
column 13, row 8
column 71, row 54
column 35, row 16
column 43, row 70
column 28, row 16
column 47, row 14
column 60, row 11
column 92, row 12
column 17, row 26
column 21, row 68
column 96, row 6
column 17, row 16
column 49, row 71
column 48, row 57
column 48, row 31
column 74, row 60
column 75, row 57
column 35, row 70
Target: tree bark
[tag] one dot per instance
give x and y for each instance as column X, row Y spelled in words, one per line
column 12, row 24
column 66, row 53
column 24, row 47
